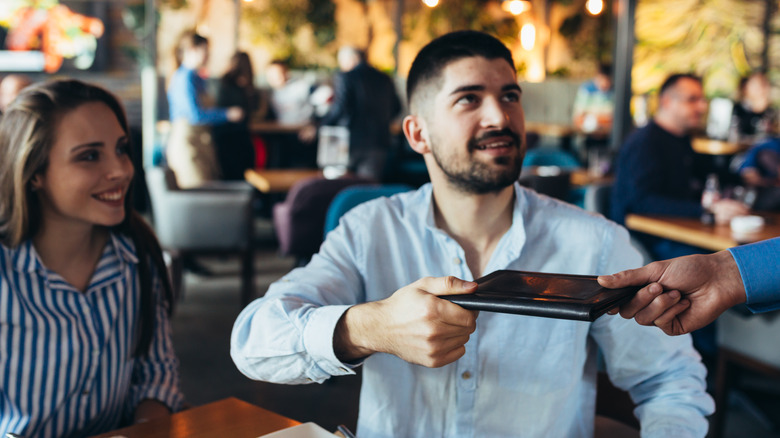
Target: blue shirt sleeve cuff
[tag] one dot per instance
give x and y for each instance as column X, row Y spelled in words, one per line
column 318, row 340
column 758, row 266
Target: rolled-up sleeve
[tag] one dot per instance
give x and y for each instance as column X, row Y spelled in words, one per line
column 663, row 374
column 287, row 335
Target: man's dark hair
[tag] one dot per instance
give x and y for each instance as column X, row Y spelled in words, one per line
column 672, row 80
column 445, row 49
column 606, row 70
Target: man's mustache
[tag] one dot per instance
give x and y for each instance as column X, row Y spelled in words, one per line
column 506, row 132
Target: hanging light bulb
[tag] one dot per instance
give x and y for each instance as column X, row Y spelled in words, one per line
column 528, row 36
column 594, row 7
column 515, row 7
column 431, row 3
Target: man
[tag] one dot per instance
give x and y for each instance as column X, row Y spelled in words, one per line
column 657, row 172
column 366, row 103
column 687, row 293
column 10, row 87
column 289, row 98
column 430, row 367
column 594, row 103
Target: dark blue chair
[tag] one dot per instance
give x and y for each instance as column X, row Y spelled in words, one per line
column 348, row 198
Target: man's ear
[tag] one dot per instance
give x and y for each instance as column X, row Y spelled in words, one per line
column 416, row 133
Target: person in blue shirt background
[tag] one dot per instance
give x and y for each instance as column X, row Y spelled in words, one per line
column 190, row 151
column 761, row 169
column 687, row 293
column 85, row 340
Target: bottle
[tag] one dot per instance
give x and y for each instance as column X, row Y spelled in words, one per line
column 709, row 197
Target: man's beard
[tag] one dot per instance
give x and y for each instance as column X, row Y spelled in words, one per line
column 481, row 178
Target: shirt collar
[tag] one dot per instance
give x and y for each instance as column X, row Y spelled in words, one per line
column 26, row 258
column 511, row 244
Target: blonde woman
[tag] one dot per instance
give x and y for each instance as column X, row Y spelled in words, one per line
column 85, row 341
column 190, row 151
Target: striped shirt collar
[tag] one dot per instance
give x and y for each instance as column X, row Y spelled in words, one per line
column 26, row 259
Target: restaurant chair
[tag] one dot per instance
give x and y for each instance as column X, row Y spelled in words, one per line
column 350, row 197
column 546, row 156
column 215, row 218
column 746, row 351
column 300, row 218
column 555, row 185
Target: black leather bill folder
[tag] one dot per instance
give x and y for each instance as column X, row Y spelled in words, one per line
column 564, row 296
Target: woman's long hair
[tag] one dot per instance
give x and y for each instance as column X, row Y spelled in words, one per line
column 27, row 132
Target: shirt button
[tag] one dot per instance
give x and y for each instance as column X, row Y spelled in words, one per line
column 466, row 375
column 456, row 261
column 85, row 392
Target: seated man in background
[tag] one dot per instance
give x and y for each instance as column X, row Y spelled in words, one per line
column 761, row 169
column 432, row 368
column 658, row 171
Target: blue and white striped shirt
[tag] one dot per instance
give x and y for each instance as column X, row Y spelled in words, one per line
column 66, row 357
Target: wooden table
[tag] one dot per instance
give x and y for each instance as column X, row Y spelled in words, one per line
column 579, row 177
column 278, row 180
column 710, row 146
column 229, row 417
column 692, row 232
column 270, row 127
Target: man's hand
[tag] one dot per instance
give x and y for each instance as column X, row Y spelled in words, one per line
column 698, row 289
column 726, row 209
column 412, row 324
column 149, row 410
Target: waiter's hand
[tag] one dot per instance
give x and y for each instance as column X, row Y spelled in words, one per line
column 683, row 294
column 412, row 324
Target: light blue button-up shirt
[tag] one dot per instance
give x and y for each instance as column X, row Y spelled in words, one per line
column 520, row 376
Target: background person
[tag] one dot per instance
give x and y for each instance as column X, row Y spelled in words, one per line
column 10, row 87
column 190, row 152
column 86, row 344
column 432, row 368
column 366, row 103
column 688, row 293
column 233, row 140
column 753, row 115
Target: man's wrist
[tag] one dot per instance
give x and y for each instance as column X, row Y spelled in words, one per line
column 730, row 279
column 352, row 339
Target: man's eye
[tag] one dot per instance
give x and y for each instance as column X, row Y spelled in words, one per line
column 512, row 97
column 468, row 98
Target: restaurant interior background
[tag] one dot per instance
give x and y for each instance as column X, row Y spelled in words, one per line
column 557, row 44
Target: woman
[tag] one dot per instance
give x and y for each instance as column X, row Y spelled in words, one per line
column 190, row 150
column 233, row 141
column 85, row 341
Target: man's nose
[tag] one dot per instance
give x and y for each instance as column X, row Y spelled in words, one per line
column 494, row 114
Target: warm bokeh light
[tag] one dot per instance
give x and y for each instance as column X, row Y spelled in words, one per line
column 528, row 36
column 594, row 7
column 248, row 1
column 431, row 3
column 515, row 7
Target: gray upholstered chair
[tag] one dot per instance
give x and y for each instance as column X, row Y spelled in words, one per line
column 214, row 218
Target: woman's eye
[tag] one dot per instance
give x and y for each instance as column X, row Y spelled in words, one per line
column 89, row 156
column 123, row 149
